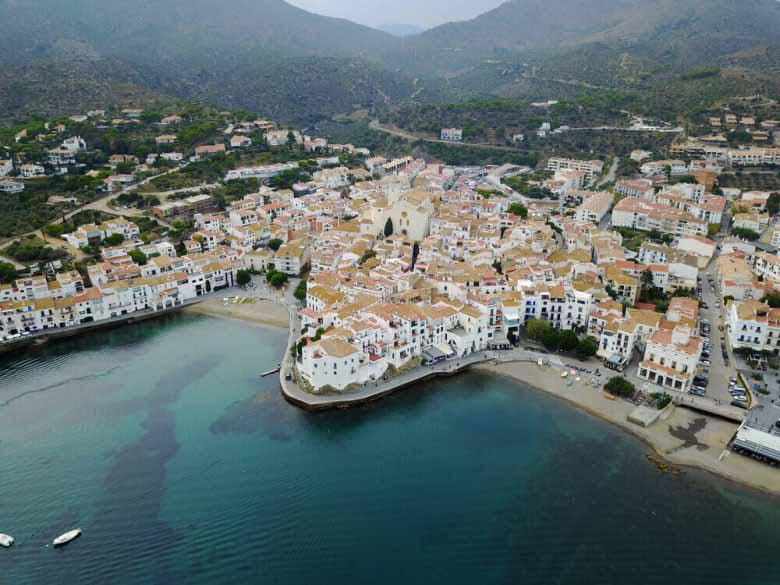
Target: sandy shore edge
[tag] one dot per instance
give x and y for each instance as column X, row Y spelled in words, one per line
column 261, row 312
column 707, row 455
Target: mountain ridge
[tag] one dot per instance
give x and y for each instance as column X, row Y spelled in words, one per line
column 275, row 58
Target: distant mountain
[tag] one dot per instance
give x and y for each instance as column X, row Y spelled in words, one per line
column 265, row 55
column 281, row 61
column 677, row 31
column 401, row 30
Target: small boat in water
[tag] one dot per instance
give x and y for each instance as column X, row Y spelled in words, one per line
column 6, row 540
column 67, row 537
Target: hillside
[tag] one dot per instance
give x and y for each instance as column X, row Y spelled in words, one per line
column 677, row 31
column 265, row 55
column 281, row 61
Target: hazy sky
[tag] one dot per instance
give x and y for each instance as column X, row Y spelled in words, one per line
column 424, row 13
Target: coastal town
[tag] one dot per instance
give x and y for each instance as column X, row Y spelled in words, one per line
column 660, row 286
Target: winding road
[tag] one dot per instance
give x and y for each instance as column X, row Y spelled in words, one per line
column 99, row 204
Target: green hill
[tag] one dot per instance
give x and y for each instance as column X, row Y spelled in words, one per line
column 278, row 60
column 264, row 55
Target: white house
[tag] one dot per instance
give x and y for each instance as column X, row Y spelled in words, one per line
column 239, row 141
column 9, row 186
column 336, row 363
column 452, row 134
column 754, row 325
column 6, row 167
column 671, row 357
column 29, row 171
column 595, row 207
column 292, row 257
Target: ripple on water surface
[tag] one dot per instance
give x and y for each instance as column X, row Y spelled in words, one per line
column 183, row 466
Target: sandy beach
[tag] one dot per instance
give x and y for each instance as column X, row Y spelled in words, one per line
column 263, row 312
column 681, row 437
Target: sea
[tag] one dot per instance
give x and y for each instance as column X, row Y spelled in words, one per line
column 181, row 464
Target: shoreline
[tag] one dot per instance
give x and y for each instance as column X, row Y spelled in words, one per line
column 703, row 451
column 677, row 436
column 261, row 312
column 44, row 337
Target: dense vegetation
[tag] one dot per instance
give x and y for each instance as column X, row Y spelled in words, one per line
column 33, row 250
column 673, row 55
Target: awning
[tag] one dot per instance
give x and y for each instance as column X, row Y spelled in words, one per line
column 446, row 349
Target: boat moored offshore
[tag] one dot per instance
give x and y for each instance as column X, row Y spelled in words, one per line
column 6, row 540
column 67, row 537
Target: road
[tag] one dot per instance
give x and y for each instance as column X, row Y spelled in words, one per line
column 719, row 372
column 398, row 133
column 611, row 174
column 99, row 204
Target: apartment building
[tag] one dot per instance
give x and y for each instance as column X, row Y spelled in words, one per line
column 671, row 358
column 753, row 325
column 590, row 167
column 595, row 207
column 647, row 216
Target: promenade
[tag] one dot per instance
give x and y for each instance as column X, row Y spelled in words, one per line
column 376, row 390
column 45, row 335
column 372, row 390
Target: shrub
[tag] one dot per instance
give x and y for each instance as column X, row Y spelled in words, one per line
column 243, row 278
column 619, row 386
column 300, row 291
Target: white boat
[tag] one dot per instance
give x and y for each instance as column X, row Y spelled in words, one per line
column 67, row 537
column 6, row 540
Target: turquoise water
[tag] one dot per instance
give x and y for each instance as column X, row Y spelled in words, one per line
column 181, row 465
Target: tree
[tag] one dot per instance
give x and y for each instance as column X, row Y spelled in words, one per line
column 518, row 209
column 537, row 328
column 713, row 229
column 568, row 340
column 551, row 339
column 389, row 227
column 55, row 230
column 773, row 204
column 367, row 255
column 772, row 299
column 278, row 279
column 138, row 257
column 243, row 278
column 298, row 349
column 619, row 386
column 647, row 279
column 7, row 272
column 587, row 348
column 300, row 291
column 114, row 240
column 745, row 234
column 275, row 244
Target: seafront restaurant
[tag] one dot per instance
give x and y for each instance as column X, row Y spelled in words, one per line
column 760, row 434
column 437, row 353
